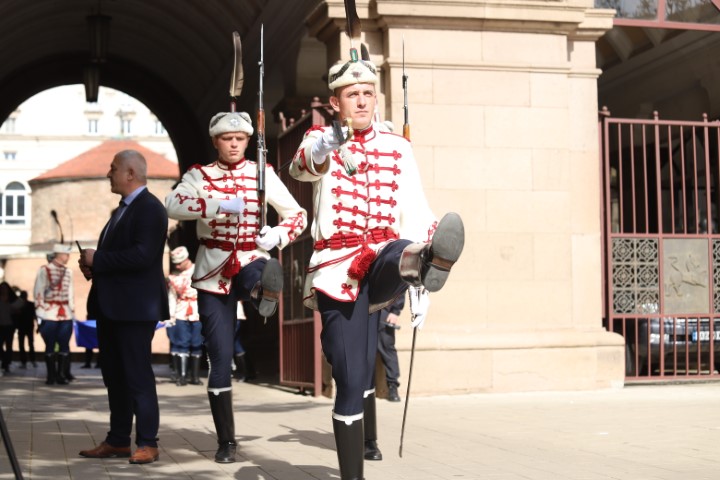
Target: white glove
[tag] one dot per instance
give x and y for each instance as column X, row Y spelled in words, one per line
column 324, row 145
column 419, row 304
column 170, row 322
column 233, row 205
column 269, row 237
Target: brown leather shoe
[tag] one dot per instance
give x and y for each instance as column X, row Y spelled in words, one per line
column 105, row 450
column 145, row 455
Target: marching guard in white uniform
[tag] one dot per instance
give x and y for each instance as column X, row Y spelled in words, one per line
column 232, row 262
column 374, row 235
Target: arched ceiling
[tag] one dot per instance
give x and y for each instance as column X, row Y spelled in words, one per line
column 174, row 56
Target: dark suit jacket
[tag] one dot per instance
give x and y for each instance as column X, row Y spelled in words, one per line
column 128, row 282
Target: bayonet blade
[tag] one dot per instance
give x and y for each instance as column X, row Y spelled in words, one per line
column 406, row 125
column 237, row 78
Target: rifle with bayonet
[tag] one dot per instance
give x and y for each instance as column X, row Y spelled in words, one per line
column 411, row 291
column 406, row 124
column 261, row 149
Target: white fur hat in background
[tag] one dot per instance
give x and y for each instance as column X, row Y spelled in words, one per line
column 62, row 248
column 225, row 122
column 360, row 71
column 179, row 255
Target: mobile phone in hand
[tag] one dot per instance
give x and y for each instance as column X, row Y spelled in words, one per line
column 87, row 277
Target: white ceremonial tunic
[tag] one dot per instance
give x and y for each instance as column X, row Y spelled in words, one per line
column 53, row 293
column 382, row 202
column 182, row 297
column 225, row 237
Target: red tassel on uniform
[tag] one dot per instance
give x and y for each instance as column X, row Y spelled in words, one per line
column 61, row 311
column 361, row 264
column 232, row 266
column 189, row 310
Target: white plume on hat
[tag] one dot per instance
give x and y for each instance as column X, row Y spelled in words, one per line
column 61, row 248
column 352, row 72
column 225, row 122
column 179, row 255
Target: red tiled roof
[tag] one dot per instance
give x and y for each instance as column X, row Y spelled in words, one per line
column 95, row 163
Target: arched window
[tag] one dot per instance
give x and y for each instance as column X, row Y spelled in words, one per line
column 12, row 205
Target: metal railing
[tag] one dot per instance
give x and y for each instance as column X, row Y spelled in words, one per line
column 301, row 358
column 661, row 243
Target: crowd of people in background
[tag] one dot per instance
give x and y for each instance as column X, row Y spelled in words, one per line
column 17, row 314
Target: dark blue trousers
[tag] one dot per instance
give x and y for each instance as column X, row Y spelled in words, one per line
column 218, row 314
column 126, row 349
column 187, row 338
column 349, row 333
column 387, row 350
column 58, row 331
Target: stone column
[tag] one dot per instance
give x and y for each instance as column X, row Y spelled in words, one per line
column 503, row 114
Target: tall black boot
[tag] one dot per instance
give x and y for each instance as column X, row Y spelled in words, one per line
column 372, row 452
column 429, row 264
column 50, row 364
column 222, row 412
column 60, row 378
column 250, row 373
column 195, row 370
column 240, row 367
column 88, row 359
column 349, row 443
column 181, row 362
column 67, row 361
column 173, row 373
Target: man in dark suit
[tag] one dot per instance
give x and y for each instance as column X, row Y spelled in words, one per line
column 128, row 297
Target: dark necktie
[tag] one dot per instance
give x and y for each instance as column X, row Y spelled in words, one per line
column 114, row 219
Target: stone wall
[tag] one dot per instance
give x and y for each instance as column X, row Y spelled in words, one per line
column 83, row 207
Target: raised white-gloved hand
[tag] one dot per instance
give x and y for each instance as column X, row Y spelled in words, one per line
column 325, row 144
column 269, row 237
column 233, row 205
column 419, row 305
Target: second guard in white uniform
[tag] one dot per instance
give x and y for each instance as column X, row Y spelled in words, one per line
column 232, row 262
column 187, row 336
column 54, row 309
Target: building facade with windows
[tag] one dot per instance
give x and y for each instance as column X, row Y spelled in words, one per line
column 55, row 126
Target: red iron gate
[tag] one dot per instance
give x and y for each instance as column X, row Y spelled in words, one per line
column 301, row 359
column 661, row 244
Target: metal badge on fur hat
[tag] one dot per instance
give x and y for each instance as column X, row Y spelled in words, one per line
column 61, row 248
column 352, row 72
column 225, row 122
column 179, row 254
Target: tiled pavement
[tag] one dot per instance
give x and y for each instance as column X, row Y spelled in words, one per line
column 669, row 432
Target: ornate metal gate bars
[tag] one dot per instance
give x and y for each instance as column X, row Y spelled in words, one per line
column 661, row 242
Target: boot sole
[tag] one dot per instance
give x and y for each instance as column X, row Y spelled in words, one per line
column 272, row 283
column 225, row 460
column 447, row 244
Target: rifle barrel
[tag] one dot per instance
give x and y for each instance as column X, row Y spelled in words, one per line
column 261, row 148
column 406, row 109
